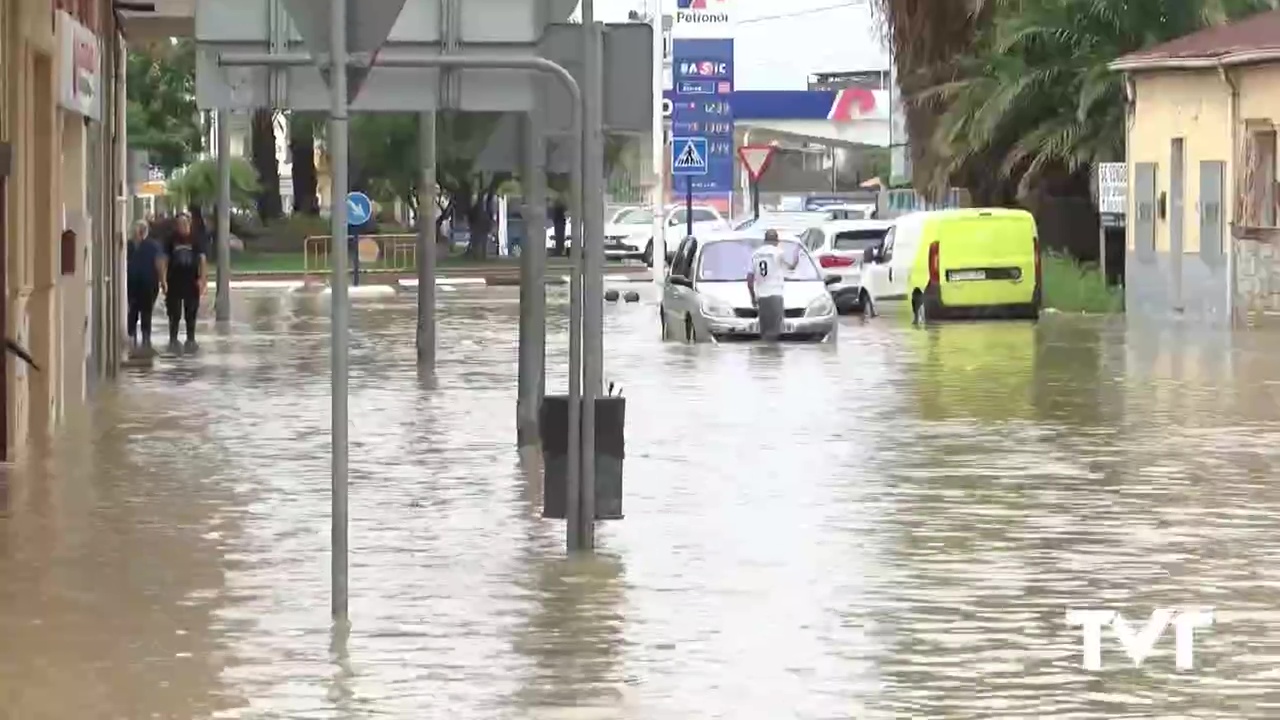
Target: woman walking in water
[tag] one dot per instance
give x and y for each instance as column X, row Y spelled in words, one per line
column 183, row 278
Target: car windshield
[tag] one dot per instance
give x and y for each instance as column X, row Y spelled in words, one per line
column 859, row 240
column 633, row 216
column 729, row 261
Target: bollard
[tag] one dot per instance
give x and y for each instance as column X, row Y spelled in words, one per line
column 610, row 451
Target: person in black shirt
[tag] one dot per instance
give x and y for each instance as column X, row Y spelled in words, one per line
column 144, row 281
column 183, row 278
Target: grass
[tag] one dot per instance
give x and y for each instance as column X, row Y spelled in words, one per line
column 1072, row 287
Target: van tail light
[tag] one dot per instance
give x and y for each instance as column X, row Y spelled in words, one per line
column 934, row 269
column 830, row 261
column 1035, row 248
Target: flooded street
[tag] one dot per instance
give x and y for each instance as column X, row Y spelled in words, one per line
column 890, row 526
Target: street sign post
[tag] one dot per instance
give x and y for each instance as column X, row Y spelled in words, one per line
column 1113, row 201
column 755, row 158
column 359, row 210
column 689, row 160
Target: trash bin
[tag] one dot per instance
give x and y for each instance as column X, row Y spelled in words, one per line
column 553, row 422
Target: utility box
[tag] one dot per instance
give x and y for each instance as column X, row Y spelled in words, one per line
column 553, row 422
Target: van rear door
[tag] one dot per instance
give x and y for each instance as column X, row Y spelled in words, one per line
column 987, row 259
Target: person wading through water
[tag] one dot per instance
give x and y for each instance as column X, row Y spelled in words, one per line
column 183, row 278
column 144, row 283
column 766, row 280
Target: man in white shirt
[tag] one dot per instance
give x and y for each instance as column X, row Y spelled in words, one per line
column 765, row 280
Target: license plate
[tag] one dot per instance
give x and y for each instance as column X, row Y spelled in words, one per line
column 968, row 275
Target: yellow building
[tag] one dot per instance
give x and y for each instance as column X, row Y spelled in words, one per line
column 1201, row 150
column 61, row 240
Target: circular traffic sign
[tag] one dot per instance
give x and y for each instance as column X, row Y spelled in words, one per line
column 359, row 208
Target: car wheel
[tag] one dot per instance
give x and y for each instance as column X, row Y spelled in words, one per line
column 919, row 309
column 868, row 305
column 690, row 335
column 648, row 253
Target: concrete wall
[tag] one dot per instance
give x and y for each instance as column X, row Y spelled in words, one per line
column 59, row 181
column 1164, row 281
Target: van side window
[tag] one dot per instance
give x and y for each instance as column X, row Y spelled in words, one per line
column 886, row 252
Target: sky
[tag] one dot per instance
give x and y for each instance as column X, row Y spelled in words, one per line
column 777, row 45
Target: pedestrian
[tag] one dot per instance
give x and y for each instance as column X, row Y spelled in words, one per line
column 144, row 283
column 765, row 281
column 183, row 278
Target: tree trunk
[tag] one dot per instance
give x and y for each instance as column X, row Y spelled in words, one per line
column 264, row 162
column 302, row 146
column 480, row 222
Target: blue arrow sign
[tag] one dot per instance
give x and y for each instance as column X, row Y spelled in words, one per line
column 688, row 156
column 359, row 208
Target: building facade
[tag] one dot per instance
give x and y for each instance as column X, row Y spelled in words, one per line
column 1203, row 241
column 61, row 241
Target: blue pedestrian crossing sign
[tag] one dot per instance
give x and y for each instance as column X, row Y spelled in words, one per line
column 688, row 156
column 359, row 208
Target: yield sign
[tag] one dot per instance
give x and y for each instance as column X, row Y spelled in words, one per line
column 755, row 158
column 369, row 22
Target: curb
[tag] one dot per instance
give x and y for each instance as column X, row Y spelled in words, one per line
column 412, row 283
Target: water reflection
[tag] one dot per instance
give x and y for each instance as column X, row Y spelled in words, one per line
column 889, row 526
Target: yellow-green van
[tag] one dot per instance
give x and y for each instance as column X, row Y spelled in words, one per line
column 974, row 262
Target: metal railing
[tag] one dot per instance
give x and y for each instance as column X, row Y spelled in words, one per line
column 396, row 254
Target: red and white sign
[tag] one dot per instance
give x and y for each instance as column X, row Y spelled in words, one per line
column 80, row 66
column 755, row 158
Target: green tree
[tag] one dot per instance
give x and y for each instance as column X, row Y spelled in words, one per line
column 161, row 107
column 197, row 185
column 1034, row 102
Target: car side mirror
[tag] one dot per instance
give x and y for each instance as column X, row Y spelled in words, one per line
column 869, row 255
column 682, row 281
column 831, row 280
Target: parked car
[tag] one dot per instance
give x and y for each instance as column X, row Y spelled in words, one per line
column 840, row 246
column 789, row 222
column 705, row 296
column 629, row 233
column 970, row 262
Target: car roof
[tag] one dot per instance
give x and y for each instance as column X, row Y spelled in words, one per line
column 741, row 236
column 841, row 225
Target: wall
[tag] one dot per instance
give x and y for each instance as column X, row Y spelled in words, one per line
column 62, row 178
column 1256, row 250
column 1193, row 281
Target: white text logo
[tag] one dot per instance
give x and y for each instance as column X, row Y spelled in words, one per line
column 1139, row 642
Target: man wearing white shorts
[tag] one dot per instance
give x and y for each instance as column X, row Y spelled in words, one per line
column 765, row 281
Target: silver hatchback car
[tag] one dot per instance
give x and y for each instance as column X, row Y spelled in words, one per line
column 705, row 296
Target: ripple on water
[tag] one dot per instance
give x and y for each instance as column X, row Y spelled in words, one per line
column 891, row 526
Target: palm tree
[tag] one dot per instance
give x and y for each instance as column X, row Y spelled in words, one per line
column 1034, row 104
column 304, row 129
column 926, row 37
column 263, row 142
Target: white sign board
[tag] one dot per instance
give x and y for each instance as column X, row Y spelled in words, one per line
column 1113, row 188
column 79, row 68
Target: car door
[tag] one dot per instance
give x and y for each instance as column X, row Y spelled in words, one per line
column 875, row 275
column 676, row 298
column 901, row 247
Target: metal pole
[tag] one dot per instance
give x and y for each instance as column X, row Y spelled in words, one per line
column 533, row 295
column 659, row 252
column 353, row 248
column 755, row 199
column 1102, row 248
column 688, row 206
column 593, row 246
column 222, row 305
column 341, row 310
column 426, row 254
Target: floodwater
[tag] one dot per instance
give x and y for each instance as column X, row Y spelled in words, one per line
column 890, row 526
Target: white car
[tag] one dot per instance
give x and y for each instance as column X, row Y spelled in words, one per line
column 783, row 222
column 852, row 211
column 629, row 233
column 705, row 296
column 841, row 247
